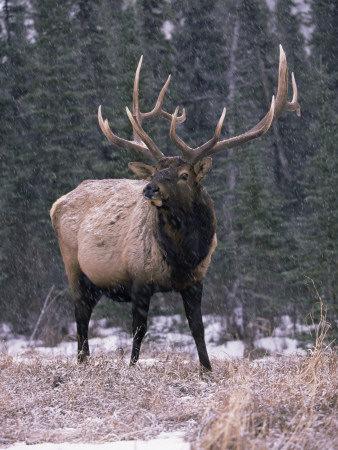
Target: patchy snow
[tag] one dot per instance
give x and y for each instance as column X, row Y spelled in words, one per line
column 280, row 345
column 288, row 328
column 173, row 330
column 168, row 331
column 163, row 324
column 165, row 441
column 214, row 327
column 230, row 350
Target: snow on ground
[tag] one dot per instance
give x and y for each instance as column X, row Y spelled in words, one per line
column 165, row 441
column 167, row 331
column 280, row 345
column 232, row 349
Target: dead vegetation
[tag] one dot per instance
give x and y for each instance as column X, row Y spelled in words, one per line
column 272, row 403
column 289, row 402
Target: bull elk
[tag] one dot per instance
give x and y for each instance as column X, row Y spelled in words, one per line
column 127, row 239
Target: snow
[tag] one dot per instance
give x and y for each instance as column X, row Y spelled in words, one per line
column 287, row 327
column 165, row 441
column 230, row 350
column 168, row 331
column 280, row 345
column 167, row 29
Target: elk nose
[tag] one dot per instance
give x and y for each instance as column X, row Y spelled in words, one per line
column 150, row 190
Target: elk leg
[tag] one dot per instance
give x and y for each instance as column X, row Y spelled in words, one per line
column 86, row 298
column 140, row 306
column 82, row 316
column 192, row 298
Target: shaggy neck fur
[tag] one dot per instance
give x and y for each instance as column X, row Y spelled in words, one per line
column 185, row 236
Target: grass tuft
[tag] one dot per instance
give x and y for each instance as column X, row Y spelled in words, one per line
column 284, row 403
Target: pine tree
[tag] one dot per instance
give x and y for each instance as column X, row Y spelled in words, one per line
column 254, row 242
column 320, row 238
column 292, row 150
column 16, row 189
column 200, row 64
column 150, row 18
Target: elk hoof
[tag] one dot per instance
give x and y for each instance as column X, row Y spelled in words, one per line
column 82, row 357
column 205, row 373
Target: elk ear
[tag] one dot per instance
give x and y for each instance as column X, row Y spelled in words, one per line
column 143, row 171
column 202, row 167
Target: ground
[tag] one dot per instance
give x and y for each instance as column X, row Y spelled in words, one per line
column 286, row 401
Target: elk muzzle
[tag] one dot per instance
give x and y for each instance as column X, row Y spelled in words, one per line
column 152, row 192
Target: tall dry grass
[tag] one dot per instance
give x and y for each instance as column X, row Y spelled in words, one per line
column 274, row 403
column 283, row 403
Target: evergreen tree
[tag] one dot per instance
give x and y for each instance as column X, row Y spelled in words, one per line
column 320, row 246
column 292, row 147
column 320, row 240
column 324, row 18
column 52, row 138
column 254, row 242
column 200, row 64
column 16, row 190
column 151, row 16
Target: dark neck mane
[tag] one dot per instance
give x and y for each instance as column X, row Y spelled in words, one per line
column 185, row 237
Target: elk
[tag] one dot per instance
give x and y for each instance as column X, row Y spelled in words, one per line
column 127, row 239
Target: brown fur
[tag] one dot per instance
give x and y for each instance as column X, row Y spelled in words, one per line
column 105, row 229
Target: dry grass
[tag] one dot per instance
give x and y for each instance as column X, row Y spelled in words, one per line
column 287, row 402
column 277, row 403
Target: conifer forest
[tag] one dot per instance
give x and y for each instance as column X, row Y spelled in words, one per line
column 275, row 197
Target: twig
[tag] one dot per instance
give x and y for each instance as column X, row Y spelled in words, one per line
column 41, row 315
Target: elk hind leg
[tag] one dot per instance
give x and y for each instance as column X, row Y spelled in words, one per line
column 86, row 297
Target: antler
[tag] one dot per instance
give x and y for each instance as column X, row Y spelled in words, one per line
column 146, row 147
column 277, row 107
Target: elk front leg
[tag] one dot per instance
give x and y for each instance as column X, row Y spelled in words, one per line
column 192, row 298
column 140, row 306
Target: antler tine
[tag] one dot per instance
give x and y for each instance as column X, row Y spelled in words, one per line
column 278, row 105
column 157, row 111
column 182, row 146
column 294, row 105
column 188, row 153
column 258, row 130
column 146, row 146
column 124, row 143
column 282, row 91
column 179, row 119
column 203, row 149
column 155, row 151
column 136, row 106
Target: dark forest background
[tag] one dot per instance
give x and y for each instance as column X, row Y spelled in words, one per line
column 275, row 198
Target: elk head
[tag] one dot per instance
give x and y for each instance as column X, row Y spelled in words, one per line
column 178, row 177
column 173, row 181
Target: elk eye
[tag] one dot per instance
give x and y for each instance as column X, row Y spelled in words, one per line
column 184, row 176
